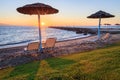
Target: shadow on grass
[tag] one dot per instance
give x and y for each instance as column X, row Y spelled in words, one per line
column 59, row 63
column 25, row 71
column 28, row 71
column 55, row 69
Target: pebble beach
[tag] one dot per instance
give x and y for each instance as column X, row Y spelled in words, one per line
column 15, row 55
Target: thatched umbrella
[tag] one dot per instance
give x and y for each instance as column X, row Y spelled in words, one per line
column 107, row 24
column 117, row 24
column 37, row 9
column 100, row 14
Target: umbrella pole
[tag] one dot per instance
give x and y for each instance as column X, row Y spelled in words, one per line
column 40, row 39
column 99, row 28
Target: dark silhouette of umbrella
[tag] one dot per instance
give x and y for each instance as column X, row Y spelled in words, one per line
column 117, row 24
column 107, row 24
column 100, row 14
column 37, row 9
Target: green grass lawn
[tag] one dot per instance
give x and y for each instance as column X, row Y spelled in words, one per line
column 100, row 64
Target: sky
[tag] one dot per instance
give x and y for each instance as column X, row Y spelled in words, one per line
column 71, row 12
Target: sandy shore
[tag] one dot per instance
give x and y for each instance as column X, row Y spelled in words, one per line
column 14, row 56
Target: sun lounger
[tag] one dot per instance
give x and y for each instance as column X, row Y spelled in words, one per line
column 106, row 36
column 104, row 39
column 49, row 45
column 34, row 46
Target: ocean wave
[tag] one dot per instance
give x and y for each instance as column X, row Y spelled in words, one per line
column 73, row 37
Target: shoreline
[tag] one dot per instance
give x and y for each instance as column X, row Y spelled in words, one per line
column 16, row 55
column 14, row 49
column 74, row 29
column 58, row 43
column 25, row 44
column 19, row 46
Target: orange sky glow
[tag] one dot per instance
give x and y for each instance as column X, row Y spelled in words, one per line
column 49, row 21
column 73, row 13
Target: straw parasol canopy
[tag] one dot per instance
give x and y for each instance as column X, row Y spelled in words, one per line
column 107, row 24
column 37, row 9
column 117, row 24
column 98, row 15
column 101, row 14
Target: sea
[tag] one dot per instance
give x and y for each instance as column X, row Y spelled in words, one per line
column 11, row 36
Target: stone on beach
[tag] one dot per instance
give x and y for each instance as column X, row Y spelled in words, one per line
column 16, row 56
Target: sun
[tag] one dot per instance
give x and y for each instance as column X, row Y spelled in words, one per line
column 42, row 23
